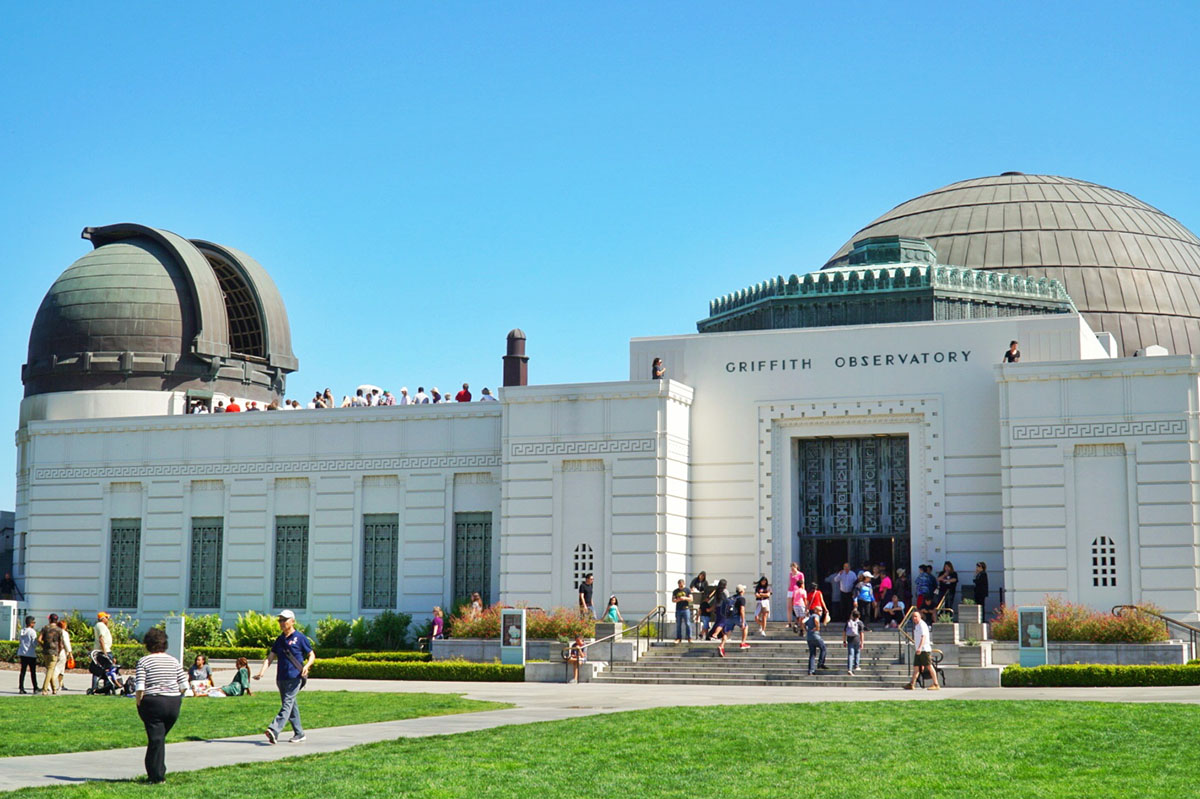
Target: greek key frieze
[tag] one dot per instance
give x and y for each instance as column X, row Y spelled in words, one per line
column 616, row 446
column 1159, row 427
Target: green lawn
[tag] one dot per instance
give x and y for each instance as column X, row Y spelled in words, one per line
column 35, row 725
column 984, row 749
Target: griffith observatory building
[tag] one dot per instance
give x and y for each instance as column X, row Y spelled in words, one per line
column 857, row 412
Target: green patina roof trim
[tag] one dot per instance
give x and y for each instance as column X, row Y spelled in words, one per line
column 891, row 279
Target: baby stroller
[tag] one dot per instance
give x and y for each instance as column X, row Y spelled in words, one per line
column 106, row 676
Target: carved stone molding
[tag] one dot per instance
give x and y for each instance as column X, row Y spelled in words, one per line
column 1041, row 432
column 1099, row 450
column 273, row 467
column 583, row 466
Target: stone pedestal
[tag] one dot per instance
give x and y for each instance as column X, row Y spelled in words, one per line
column 971, row 630
column 944, row 633
column 977, row 656
column 605, row 629
column 969, row 614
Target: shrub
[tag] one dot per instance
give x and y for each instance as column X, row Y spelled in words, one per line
column 1098, row 676
column 358, row 634
column 562, row 622
column 202, row 630
column 126, row 655
column 1194, row 662
column 8, row 651
column 457, row 670
column 388, row 630
column 253, row 629
column 332, row 632
column 253, row 653
column 392, row 657
column 79, row 628
column 1067, row 621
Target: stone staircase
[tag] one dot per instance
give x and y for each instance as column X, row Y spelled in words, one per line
column 780, row 659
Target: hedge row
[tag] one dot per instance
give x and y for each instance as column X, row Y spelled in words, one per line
column 1098, row 676
column 126, row 655
column 450, row 670
column 393, row 657
column 253, row 653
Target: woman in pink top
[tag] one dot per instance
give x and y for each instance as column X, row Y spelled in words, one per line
column 795, row 577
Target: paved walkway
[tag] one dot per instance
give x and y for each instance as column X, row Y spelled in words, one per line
column 534, row 702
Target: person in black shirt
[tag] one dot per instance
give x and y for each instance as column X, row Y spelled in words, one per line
column 734, row 619
column 981, row 587
column 657, row 370
column 947, row 584
column 585, row 596
column 683, row 613
column 704, row 607
column 1012, row 354
column 717, row 605
column 8, row 588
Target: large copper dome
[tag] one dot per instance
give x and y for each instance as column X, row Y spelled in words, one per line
column 1132, row 270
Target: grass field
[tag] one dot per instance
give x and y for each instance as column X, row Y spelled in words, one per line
column 983, row 749
column 47, row 725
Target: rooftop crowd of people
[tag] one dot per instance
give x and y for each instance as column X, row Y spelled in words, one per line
column 363, row 397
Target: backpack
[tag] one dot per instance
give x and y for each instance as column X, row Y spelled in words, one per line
column 852, row 628
column 730, row 607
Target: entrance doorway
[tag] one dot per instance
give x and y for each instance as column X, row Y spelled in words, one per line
column 853, row 504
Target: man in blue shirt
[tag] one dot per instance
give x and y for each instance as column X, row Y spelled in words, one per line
column 295, row 655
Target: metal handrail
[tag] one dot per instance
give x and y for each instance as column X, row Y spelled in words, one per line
column 660, row 612
column 1193, row 633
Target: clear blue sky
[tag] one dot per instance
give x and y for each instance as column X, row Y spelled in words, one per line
column 421, row 177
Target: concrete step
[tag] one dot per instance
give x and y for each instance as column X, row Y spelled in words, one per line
column 827, row 680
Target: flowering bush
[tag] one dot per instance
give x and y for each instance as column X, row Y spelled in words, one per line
column 560, row 622
column 1067, row 621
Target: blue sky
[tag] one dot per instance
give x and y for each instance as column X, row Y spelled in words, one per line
column 421, row 178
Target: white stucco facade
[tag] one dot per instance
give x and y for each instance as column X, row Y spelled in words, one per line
column 644, row 482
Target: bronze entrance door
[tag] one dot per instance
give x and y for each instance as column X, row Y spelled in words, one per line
column 853, row 504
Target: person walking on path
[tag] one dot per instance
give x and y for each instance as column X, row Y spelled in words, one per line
column 289, row 648
column 60, row 669
column 923, row 661
column 762, row 604
column 683, row 613
column 853, row 638
column 816, row 644
column 103, row 640
column 612, row 614
column 159, row 684
column 52, row 649
column 27, row 652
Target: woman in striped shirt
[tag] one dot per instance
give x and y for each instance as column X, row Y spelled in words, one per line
column 160, row 683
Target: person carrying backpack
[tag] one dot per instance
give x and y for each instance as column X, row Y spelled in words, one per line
column 735, row 616
column 853, row 637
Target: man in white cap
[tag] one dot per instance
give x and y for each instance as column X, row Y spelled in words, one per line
column 289, row 648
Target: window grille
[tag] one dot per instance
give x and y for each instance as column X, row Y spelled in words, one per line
column 1104, row 562
column 124, row 557
column 204, row 587
column 473, row 555
column 291, row 561
column 585, row 562
column 380, row 564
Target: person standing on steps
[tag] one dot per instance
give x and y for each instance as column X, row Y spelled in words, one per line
column 853, row 638
column 762, row 604
column 700, row 594
column 981, row 588
column 683, row 613
column 816, row 644
column 290, row 676
column 586, row 587
column 795, row 578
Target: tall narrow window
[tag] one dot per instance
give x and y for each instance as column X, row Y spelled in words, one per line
column 1104, row 562
column 291, row 561
column 380, row 563
column 204, row 587
column 124, row 555
column 585, row 562
column 473, row 555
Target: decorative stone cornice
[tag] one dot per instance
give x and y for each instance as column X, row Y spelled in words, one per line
column 316, row 466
